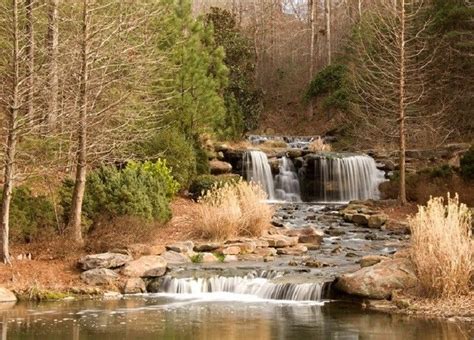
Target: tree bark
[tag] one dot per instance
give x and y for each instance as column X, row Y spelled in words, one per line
column 53, row 39
column 402, row 196
column 328, row 31
column 30, row 51
column 311, row 50
column 10, row 146
column 80, row 180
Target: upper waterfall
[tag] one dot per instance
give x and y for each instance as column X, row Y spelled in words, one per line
column 287, row 184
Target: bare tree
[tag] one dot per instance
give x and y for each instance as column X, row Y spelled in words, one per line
column 53, row 75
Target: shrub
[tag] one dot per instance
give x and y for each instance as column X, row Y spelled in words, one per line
column 141, row 189
column 203, row 183
column 467, row 164
column 442, row 247
column 30, row 215
column 180, row 155
column 230, row 210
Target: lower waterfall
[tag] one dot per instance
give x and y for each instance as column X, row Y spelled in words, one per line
column 258, row 171
column 251, row 284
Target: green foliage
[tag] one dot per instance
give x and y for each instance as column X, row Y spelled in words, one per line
column 220, row 257
column 199, row 73
column 442, row 171
column 331, row 84
column 30, row 215
column 467, row 164
column 242, row 98
column 197, row 258
column 203, row 183
column 180, row 155
column 141, row 189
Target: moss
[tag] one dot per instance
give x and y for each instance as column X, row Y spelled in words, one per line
column 197, row 258
column 40, row 294
column 220, row 257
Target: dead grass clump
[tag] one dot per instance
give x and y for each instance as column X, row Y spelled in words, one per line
column 442, row 249
column 231, row 210
column 318, row 145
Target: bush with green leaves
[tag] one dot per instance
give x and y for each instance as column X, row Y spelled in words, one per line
column 30, row 215
column 467, row 164
column 203, row 183
column 140, row 189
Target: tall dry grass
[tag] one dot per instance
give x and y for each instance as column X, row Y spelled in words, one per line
column 442, row 247
column 318, row 145
column 229, row 211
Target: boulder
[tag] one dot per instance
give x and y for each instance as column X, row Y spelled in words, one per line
column 209, row 246
column 232, row 250
column 265, row 251
column 231, row 258
column 172, row 257
column 219, row 167
column 360, row 219
column 296, row 250
column 371, row 260
column 376, row 221
column 6, row 295
column 104, row 260
column 378, row 281
column 134, row 285
column 280, row 241
column 307, row 235
column 185, row 247
column 99, row 276
column 246, row 247
column 146, row 266
column 209, row 258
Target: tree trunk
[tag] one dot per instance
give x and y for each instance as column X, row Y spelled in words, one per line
column 328, row 31
column 80, row 180
column 53, row 38
column 30, row 51
column 10, row 147
column 311, row 50
column 402, row 197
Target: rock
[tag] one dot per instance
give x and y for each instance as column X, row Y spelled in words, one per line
column 251, row 257
column 209, row 258
column 203, row 247
column 360, row 219
column 311, row 246
column 371, row 260
column 219, row 167
column 172, row 257
column 280, row 241
column 315, row 264
column 134, row 285
column 99, row 276
column 232, row 250
column 247, row 247
column 146, row 266
column 294, row 153
column 185, row 247
column 376, row 221
column 295, row 250
column 6, row 295
column 139, row 249
column 104, row 260
column 265, row 251
column 221, row 147
column 220, row 156
column 231, row 258
column 306, row 235
column 378, row 281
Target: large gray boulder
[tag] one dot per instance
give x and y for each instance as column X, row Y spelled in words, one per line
column 99, row 276
column 380, row 280
column 172, row 257
column 146, row 266
column 104, row 260
column 6, row 295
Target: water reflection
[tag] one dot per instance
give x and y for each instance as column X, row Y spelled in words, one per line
column 167, row 318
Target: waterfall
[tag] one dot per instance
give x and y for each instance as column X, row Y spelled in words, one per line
column 252, row 285
column 346, row 178
column 258, row 170
column 287, row 185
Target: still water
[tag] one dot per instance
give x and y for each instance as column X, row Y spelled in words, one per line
column 222, row 316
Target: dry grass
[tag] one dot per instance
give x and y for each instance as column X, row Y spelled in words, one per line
column 319, row 145
column 230, row 211
column 442, row 248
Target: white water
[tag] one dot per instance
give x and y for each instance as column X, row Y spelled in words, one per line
column 258, row 170
column 287, row 184
column 248, row 286
column 342, row 179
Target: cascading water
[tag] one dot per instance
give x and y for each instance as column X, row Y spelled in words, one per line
column 253, row 285
column 287, row 184
column 346, row 178
column 258, row 170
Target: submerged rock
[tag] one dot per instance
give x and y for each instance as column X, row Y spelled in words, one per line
column 146, row 266
column 99, row 276
column 378, row 281
column 104, row 260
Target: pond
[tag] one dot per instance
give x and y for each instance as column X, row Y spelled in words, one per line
column 213, row 316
